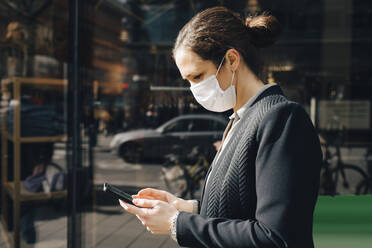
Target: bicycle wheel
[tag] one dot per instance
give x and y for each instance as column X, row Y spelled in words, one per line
column 349, row 179
column 327, row 185
column 364, row 187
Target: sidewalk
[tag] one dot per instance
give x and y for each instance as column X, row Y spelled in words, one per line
column 107, row 226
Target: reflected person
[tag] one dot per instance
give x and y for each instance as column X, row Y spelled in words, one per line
column 263, row 184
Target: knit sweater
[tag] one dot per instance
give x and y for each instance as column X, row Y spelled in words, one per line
column 263, row 188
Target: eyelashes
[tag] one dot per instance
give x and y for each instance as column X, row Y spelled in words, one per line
column 198, row 76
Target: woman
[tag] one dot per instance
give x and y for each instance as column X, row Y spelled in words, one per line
column 263, row 183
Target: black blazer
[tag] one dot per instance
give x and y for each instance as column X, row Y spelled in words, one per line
column 263, row 189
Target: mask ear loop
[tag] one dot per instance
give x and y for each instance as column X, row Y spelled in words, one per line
column 232, row 80
column 219, row 67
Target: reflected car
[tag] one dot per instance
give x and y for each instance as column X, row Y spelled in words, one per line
column 185, row 132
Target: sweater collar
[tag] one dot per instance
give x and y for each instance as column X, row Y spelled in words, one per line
column 274, row 90
column 266, row 90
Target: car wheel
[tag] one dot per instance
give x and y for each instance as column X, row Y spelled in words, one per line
column 131, row 152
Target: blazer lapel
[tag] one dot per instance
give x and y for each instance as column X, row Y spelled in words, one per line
column 215, row 157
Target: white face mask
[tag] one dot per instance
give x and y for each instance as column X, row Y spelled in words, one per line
column 210, row 95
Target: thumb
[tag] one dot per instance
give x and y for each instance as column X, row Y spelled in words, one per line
column 155, row 193
column 145, row 203
column 146, row 191
column 143, row 197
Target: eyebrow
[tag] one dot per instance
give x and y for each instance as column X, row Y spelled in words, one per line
column 188, row 75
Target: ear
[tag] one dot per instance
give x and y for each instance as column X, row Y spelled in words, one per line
column 232, row 59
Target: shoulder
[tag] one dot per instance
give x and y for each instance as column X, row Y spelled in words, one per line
column 260, row 112
column 281, row 116
column 268, row 106
column 284, row 109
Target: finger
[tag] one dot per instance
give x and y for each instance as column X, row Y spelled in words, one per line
column 130, row 208
column 143, row 197
column 145, row 191
column 123, row 205
column 140, row 219
column 145, row 203
column 152, row 192
column 155, row 193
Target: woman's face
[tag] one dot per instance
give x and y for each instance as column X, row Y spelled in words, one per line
column 194, row 69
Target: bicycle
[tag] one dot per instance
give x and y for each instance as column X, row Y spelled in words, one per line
column 183, row 179
column 339, row 177
column 365, row 186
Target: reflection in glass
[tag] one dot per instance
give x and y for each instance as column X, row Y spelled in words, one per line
column 141, row 126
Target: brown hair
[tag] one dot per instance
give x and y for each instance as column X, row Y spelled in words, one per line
column 213, row 31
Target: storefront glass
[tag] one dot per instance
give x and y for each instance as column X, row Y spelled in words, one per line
column 33, row 72
column 139, row 123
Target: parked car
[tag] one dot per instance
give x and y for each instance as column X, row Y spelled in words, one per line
column 186, row 131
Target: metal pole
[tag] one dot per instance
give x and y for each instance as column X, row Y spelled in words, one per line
column 74, row 232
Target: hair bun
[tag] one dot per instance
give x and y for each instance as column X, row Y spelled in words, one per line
column 264, row 29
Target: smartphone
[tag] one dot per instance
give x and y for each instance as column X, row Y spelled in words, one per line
column 118, row 193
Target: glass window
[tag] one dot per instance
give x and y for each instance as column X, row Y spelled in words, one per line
column 179, row 126
column 202, row 125
column 34, row 133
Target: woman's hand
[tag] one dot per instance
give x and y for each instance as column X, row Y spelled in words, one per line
column 156, row 215
column 155, row 194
